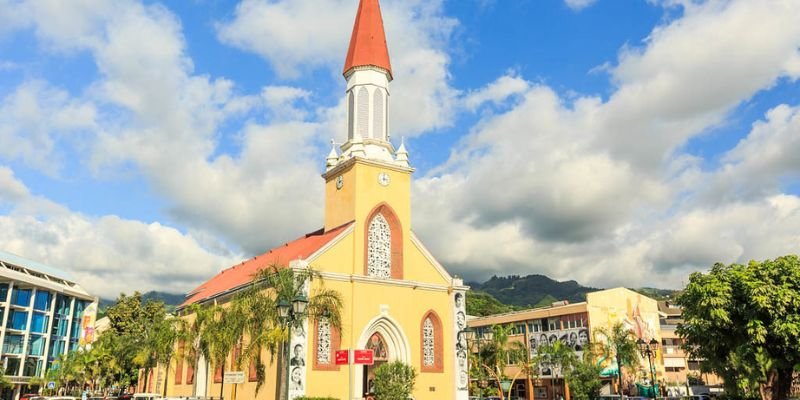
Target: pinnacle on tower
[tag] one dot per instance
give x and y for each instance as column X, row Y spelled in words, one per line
column 368, row 43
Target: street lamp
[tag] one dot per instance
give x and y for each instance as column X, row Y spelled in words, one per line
column 291, row 315
column 471, row 336
column 649, row 349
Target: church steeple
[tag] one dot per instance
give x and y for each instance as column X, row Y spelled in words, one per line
column 368, row 72
column 368, row 42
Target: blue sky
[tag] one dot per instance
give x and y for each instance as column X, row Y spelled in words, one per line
column 151, row 144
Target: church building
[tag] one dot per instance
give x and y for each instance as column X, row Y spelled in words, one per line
column 398, row 300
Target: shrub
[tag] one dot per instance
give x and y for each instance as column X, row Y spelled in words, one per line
column 394, row 381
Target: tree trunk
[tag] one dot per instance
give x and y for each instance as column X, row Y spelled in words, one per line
column 166, row 379
column 778, row 385
column 222, row 384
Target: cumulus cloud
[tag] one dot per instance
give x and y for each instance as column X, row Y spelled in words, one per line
column 298, row 36
column 125, row 255
column 496, row 92
column 35, row 118
column 579, row 187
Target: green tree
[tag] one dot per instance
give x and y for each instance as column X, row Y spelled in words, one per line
column 223, row 333
column 258, row 306
column 199, row 345
column 394, row 381
column 559, row 357
column 496, row 355
column 743, row 321
column 620, row 343
column 584, row 379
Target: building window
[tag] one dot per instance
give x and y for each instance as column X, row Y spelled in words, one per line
column 218, row 374
column 377, row 119
column 12, row 366
column 534, row 327
column 36, row 345
column 428, row 357
column 379, row 250
column 363, row 112
column 3, row 292
column 13, row 344
column 21, row 297
column 17, row 320
column 62, row 305
column 323, row 341
column 553, row 324
column 39, row 323
column 42, row 301
column 431, row 335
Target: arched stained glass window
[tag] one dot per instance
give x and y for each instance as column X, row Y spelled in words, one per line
column 428, row 343
column 323, row 341
column 379, row 248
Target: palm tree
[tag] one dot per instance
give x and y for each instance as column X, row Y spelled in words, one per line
column 621, row 343
column 560, row 357
column 200, row 347
column 499, row 353
column 262, row 324
column 223, row 332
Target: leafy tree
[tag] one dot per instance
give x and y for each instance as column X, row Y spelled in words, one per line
column 620, row 343
column 223, row 333
column 394, row 381
column 584, row 379
column 743, row 321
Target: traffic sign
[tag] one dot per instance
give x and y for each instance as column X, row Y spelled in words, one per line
column 342, row 357
column 363, row 357
column 51, row 385
column 233, row 377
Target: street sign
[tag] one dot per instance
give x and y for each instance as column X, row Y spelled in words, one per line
column 51, row 385
column 342, row 357
column 363, row 357
column 233, row 377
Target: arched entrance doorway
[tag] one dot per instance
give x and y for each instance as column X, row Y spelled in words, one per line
column 385, row 337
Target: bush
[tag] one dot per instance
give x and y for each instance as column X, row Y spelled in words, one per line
column 394, row 381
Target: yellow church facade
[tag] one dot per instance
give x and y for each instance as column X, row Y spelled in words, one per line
column 397, row 299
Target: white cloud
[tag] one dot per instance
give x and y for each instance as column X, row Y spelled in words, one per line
column 108, row 255
column 299, row 35
column 36, row 118
column 578, row 188
column 578, row 5
column 497, row 91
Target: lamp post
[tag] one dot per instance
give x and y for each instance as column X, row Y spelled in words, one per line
column 649, row 349
column 471, row 337
column 291, row 315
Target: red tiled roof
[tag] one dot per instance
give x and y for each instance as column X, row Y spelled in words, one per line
column 368, row 42
column 241, row 274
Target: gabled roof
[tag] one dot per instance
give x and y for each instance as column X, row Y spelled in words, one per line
column 242, row 274
column 368, row 42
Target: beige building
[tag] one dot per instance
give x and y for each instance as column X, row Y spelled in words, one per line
column 681, row 372
column 575, row 324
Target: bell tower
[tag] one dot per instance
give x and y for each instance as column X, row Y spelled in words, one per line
column 366, row 170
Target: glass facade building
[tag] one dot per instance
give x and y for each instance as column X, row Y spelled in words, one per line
column 43, row 314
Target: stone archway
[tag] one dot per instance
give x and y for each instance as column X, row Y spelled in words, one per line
column 395, row 343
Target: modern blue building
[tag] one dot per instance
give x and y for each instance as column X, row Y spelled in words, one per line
column 43, row 314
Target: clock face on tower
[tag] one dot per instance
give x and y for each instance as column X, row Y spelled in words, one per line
column 383, row 179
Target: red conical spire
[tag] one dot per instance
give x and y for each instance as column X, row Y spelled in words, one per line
column 368, row 43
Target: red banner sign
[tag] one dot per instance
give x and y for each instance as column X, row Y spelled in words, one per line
column 364, row 357
column 342, row 357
